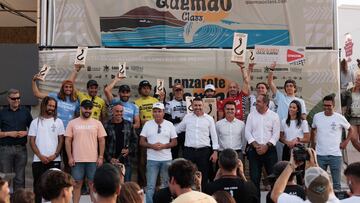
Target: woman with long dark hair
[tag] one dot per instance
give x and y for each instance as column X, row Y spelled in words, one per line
column 294, row 130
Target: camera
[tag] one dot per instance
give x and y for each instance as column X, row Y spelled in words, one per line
column 341, row 195
column 300, row 153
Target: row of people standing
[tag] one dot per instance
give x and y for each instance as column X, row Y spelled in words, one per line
column 196, row 137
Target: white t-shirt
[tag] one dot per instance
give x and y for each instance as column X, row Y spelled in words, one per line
column 286, row 198
column 46, row 132
column 328, row 133
column 150, row 131
column 283, row 101
column 353, row 199
column 293, row 131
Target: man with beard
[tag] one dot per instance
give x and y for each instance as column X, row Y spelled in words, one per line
column 46, row 140
column 131, row 111
column 198, row 126
column 83, row 137
column 14, row 121
column 99, row 107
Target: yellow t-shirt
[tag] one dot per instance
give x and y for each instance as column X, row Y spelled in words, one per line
column 145, row 107
column 99, row 104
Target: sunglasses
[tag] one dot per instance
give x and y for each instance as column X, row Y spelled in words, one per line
column 159, row 129
column 14, row 98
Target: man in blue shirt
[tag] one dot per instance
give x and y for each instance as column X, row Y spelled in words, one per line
column 14, row 122
column 131, row 111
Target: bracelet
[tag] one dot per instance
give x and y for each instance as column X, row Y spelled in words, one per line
column 100, row 157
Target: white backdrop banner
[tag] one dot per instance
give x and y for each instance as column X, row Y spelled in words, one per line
column 194, row 69
column 192, row 23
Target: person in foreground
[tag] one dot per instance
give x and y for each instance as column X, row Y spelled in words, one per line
column 317, row 182
column 181, row 178
column 56, row 186
column 107, row 183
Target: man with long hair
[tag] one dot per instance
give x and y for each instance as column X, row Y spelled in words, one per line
column 46, row 140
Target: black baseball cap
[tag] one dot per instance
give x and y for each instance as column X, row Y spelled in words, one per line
column 144, row 83
column 91, row 83
column 124, row 88
column 278, row 168
column 87, row 103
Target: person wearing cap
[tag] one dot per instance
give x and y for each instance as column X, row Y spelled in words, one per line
column 131, row 111
column 175, row 110
column 352, row 174
column 144, row 103
column 46, row 140
column 318, row 187
column 198, row 126
column 283, row 101
column 158, row 136
column 209, row 91
column 291, row 186
column 107, row 183
column 14, row 123
column 238, row 96
column 85, row 144
column 99, row 106
column 326, row 137
column 231, row 178
column 66, row 98
column 262, row 131
column 121, row 140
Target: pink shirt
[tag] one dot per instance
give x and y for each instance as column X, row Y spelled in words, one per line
column 85, row 134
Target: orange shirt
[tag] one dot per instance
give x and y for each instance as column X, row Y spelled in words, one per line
column 85, row 134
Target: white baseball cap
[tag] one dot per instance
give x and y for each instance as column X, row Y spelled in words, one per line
column 209, row 87
column 317, row 182
column 158, row 105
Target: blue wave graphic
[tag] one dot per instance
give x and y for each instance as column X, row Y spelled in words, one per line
column 206, row 36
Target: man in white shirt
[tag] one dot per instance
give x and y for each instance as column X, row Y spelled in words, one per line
column 231, row 131
column 158, row 136
column 46, row 140
column 327, row 133
column 262, row 131
column 352, row 174
column 198, row 126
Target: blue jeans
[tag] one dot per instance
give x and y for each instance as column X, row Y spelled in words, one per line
column 152, row 170
column 334, row 162
column 13, row 159
column 81, row 169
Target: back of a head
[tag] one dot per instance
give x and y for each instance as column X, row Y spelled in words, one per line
column 106, row 180
column 130, row 193
column 353, row 170
column 183, row 171
column 222, row 196
column 23, row 196
column 318, row 186
column 53, row 181
column 228, row 159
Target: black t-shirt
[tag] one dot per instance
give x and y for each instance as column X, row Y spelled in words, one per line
column 163, row 196
column 119, row 138
column 243, row 192
column 289, row 189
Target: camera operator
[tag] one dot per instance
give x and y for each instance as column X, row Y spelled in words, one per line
column 352, row 174
column 317, row 183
